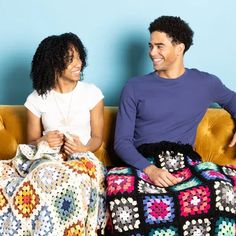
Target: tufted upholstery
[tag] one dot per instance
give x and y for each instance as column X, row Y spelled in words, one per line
column 213, row 135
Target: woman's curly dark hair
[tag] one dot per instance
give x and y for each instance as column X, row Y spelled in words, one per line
column 52, row 58
column 174, row 27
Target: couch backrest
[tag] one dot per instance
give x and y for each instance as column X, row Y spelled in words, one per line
column 213, row 135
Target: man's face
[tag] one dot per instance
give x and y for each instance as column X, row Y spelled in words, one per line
column 163, row 53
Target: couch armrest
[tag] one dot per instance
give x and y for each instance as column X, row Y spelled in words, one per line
column 12, row 129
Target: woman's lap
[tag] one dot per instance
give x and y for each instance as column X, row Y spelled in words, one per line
column 54, row 198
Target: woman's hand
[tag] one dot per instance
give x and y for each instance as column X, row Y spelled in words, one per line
column 53, row 138
column 73, row 144
column 161, row 177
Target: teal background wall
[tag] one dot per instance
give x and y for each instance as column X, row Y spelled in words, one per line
column 116, row 36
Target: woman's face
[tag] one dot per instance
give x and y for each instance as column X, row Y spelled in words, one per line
column 72, row 72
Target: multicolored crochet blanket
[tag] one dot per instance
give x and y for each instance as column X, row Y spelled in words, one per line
column 42, row 195
column 204, row 203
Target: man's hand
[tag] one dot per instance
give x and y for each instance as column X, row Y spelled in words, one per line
column 233, row 141
column 161, row 177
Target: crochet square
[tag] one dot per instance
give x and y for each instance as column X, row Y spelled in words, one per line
column 193, row 162
column 125, row 214
column 120, row 170
column 171, row 162
column 3, row 200
column 194, row 201
column 49, row 177
column 143, row 176
column 170, row 231
column 197, row 227
column 158, row 209
column 7, row 171
column 144, row 187
column 225, row 226
column 187, row 184
column 83, row 166
column 9, row 223
column 225, row 196
column 42, row 223
column 229, row 171
column 185, row 174
column 234, row 182
column 120, row 184
column 75, row 229
column 207, row 166
column 66, row 204
column 26, row 200
column 12, row 184
column 212, row 175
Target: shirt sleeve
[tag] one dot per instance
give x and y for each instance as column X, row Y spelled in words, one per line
column 32, row 103
column 124, row 133
column 225, row 97
column 95, row 96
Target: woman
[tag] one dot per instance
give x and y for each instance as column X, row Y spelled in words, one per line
column 51, row 196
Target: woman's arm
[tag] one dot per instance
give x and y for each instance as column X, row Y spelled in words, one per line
column 96, row 121
column 34, row 132
column 34, row 129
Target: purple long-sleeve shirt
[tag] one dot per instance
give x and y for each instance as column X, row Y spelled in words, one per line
column 154, row 109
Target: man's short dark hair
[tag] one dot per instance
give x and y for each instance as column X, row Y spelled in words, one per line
column 175, row 28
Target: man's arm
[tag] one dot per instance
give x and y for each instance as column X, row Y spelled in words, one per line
column 124, row 145
column 227, row 99
column 124, row 133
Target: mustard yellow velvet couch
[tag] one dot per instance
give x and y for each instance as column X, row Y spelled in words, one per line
column 213, row 136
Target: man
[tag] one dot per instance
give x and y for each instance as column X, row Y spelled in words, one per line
column 167, row 105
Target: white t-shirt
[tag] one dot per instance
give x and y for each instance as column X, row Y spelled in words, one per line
column 66, row 112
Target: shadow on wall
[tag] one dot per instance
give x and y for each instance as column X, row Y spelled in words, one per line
column 133, row 61
column 135, row 57
column 15, row 82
